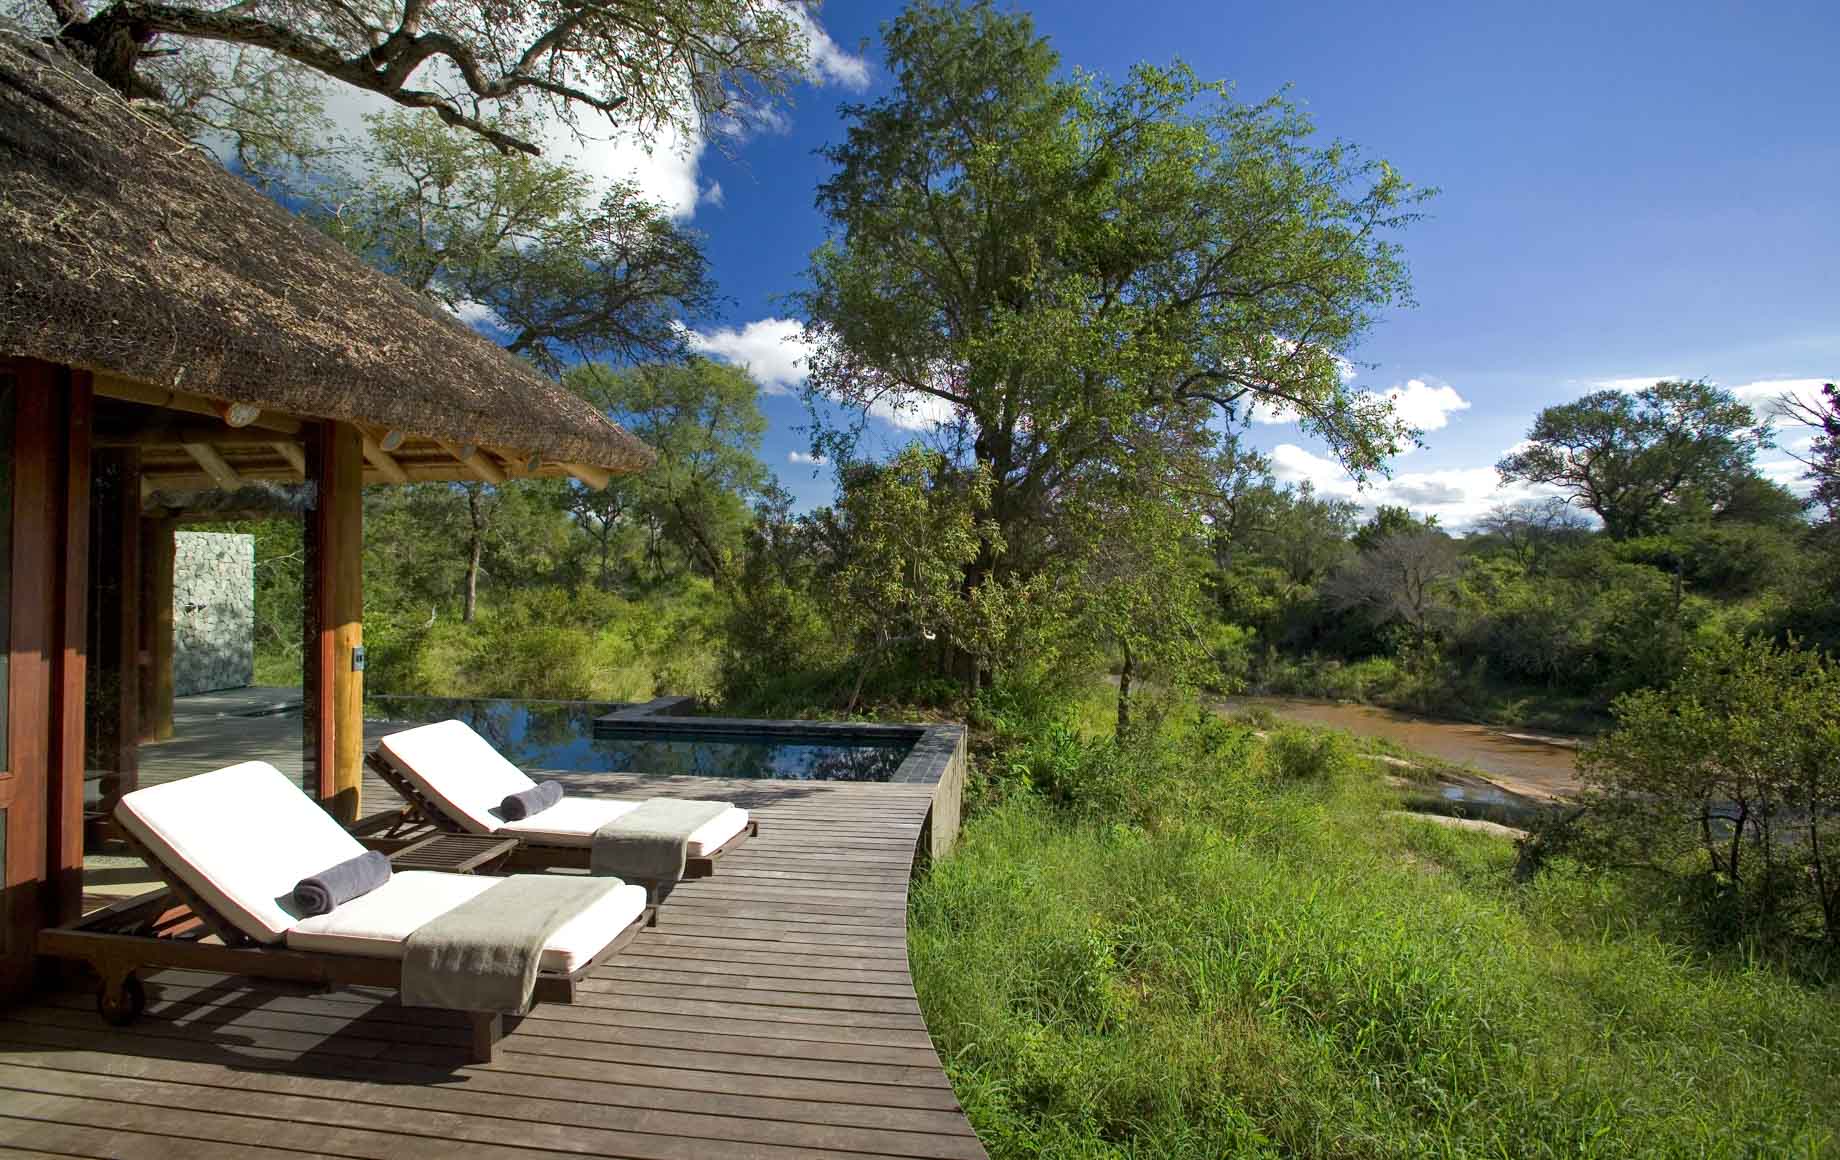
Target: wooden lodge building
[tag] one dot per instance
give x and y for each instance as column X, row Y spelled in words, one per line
column 176, row 347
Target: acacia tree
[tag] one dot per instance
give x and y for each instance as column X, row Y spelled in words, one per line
column 1823, row 457
column 702, row 419
column 643, row 64
column 520, row 242
column 1401, row 578
column 1073, row 271
column 1531, row 527
column 1631, row 456
column 899, row 538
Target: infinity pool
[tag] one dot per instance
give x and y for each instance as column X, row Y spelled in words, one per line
column 560, row 735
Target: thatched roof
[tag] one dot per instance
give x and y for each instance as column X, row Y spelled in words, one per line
column 125, row 249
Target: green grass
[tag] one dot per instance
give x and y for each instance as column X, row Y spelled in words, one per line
column 1220, row 946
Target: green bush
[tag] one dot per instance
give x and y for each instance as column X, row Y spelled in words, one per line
column 1295, row 753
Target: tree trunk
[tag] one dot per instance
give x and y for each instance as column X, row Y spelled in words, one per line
column 472, row 581
column 1125, row 672
column 118, row 44
column 476, row 544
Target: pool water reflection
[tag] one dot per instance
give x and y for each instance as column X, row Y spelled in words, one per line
column 560, row 735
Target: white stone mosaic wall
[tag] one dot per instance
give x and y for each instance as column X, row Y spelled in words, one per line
column 214, row 611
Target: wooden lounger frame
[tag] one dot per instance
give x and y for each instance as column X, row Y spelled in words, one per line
column 533, row 854
column 167, row 927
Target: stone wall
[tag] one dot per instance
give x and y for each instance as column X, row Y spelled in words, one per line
column 214, row 611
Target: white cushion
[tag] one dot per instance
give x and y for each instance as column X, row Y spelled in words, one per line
column 458, row 769
column 241, row 837
column 572, row 822
column 469, row 779
column 375, row 925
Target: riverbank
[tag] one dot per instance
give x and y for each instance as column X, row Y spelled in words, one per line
column 1445, row 695
column 1536, row 765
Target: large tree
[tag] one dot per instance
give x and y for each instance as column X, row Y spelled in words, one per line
column 1631, row 456
column 645, row 65
column 1070, row 271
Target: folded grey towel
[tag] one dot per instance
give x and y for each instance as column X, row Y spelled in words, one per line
column 342, row 883
column 651, row 842
column 518, row 806
column 483, row 954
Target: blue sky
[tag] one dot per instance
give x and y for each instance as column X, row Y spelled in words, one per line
column 1629, row 190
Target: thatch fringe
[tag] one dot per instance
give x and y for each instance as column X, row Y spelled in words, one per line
column 126, row 249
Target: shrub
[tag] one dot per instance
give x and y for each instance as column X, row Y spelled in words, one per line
column 1294, row 753
column 1729, row 776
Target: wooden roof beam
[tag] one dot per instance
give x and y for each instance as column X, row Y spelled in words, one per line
column 476, row 461
column 383, row 461
column 592, row 477
column 133, row 391
column 177, row 434
column 221, row 473
column 297, row 458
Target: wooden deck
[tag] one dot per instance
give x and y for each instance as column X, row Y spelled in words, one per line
column 770, row 1014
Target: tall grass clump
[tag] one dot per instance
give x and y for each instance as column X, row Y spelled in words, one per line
column 1197, row 943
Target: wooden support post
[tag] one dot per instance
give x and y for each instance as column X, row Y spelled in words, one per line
column 339, row 524
column 68, row 702
column 112, row 734
column 157, row 548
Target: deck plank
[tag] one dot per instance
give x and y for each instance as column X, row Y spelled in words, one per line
column 771, row 1013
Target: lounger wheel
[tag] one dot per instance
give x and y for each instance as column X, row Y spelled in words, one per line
column 121, row 1003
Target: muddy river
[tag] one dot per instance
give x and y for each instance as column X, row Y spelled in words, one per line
column 1536, row 765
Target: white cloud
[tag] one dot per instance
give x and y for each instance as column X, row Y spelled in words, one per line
column 1630, row 384
column 1424, row 405
column 1765, row 395
column 806, row 458
column 772, row 349
column 915, row 413
column 712, row 195
column 1271, row 413
column 1790, row 473
column 479, row 316
column 830, row 62
column 1457, row 496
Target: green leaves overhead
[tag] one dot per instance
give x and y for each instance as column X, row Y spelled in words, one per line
column 522, row 243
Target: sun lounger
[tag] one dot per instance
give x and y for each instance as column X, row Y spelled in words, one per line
column 457, row 780
column 231, row 846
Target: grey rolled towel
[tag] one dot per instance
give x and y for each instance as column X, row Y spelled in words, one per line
column 342, row 883
column 518, row 806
